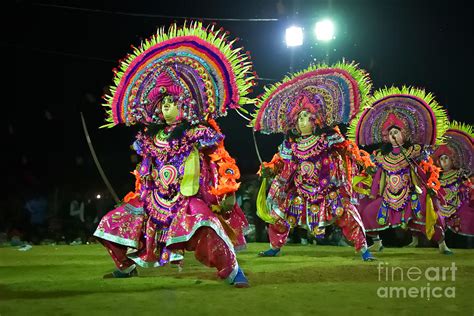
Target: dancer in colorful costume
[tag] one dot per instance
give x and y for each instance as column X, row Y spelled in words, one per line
column 405, row 123
column 456, row 159
column 315, row 165
column 175, row 85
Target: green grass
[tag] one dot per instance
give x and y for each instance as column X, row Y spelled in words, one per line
column 304, row 280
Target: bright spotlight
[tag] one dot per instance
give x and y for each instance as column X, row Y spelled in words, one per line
column 324, row 30
column 294, row 36
column 98, row 196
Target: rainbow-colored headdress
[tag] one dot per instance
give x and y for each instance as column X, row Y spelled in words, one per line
column 197, row 66
column 412, row 110
column 459, row 146
column 333, row 94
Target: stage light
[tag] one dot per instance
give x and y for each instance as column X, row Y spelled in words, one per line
column 324, row 30
column 98, row 196
column 294, row 36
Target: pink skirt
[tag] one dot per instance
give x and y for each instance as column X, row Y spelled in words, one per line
column 155, row 245
column 462, row 222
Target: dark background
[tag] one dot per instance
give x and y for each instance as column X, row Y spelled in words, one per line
column 65, row 52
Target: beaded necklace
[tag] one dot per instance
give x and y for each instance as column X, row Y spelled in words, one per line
column 449, row 177
column 394, row 162
column 312, row 146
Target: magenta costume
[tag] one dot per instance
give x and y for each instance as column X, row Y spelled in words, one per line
column 313, row 191
column 458, row 210
column 458, row 206
column 403, row 178
column 314, row 188
column 185, row 183
column 161, row 218
column 396, row 203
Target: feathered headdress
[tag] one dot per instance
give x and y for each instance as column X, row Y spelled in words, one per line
column 197, row 66
column 333, row 94
column 412, row 110
column 459, row 146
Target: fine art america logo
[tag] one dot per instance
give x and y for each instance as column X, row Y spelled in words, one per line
column 432, row 275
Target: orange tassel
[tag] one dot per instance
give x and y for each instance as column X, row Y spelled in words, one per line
column 214, row 125
column 429, row 168
column 138, row 184
column 360, row 156
column 275, row 164
column 228, row 171
column 130, row 196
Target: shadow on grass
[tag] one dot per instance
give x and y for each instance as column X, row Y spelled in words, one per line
column 302, row 275
column 294, row 267
column 7, row 294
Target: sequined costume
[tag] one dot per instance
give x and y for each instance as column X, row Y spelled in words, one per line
column 185, row 183
column 403, row 191
column 457, row 206
column 314, row 189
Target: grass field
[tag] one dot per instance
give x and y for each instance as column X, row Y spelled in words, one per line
column 304, row 280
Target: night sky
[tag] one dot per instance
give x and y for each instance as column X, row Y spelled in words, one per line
column 66, row 50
